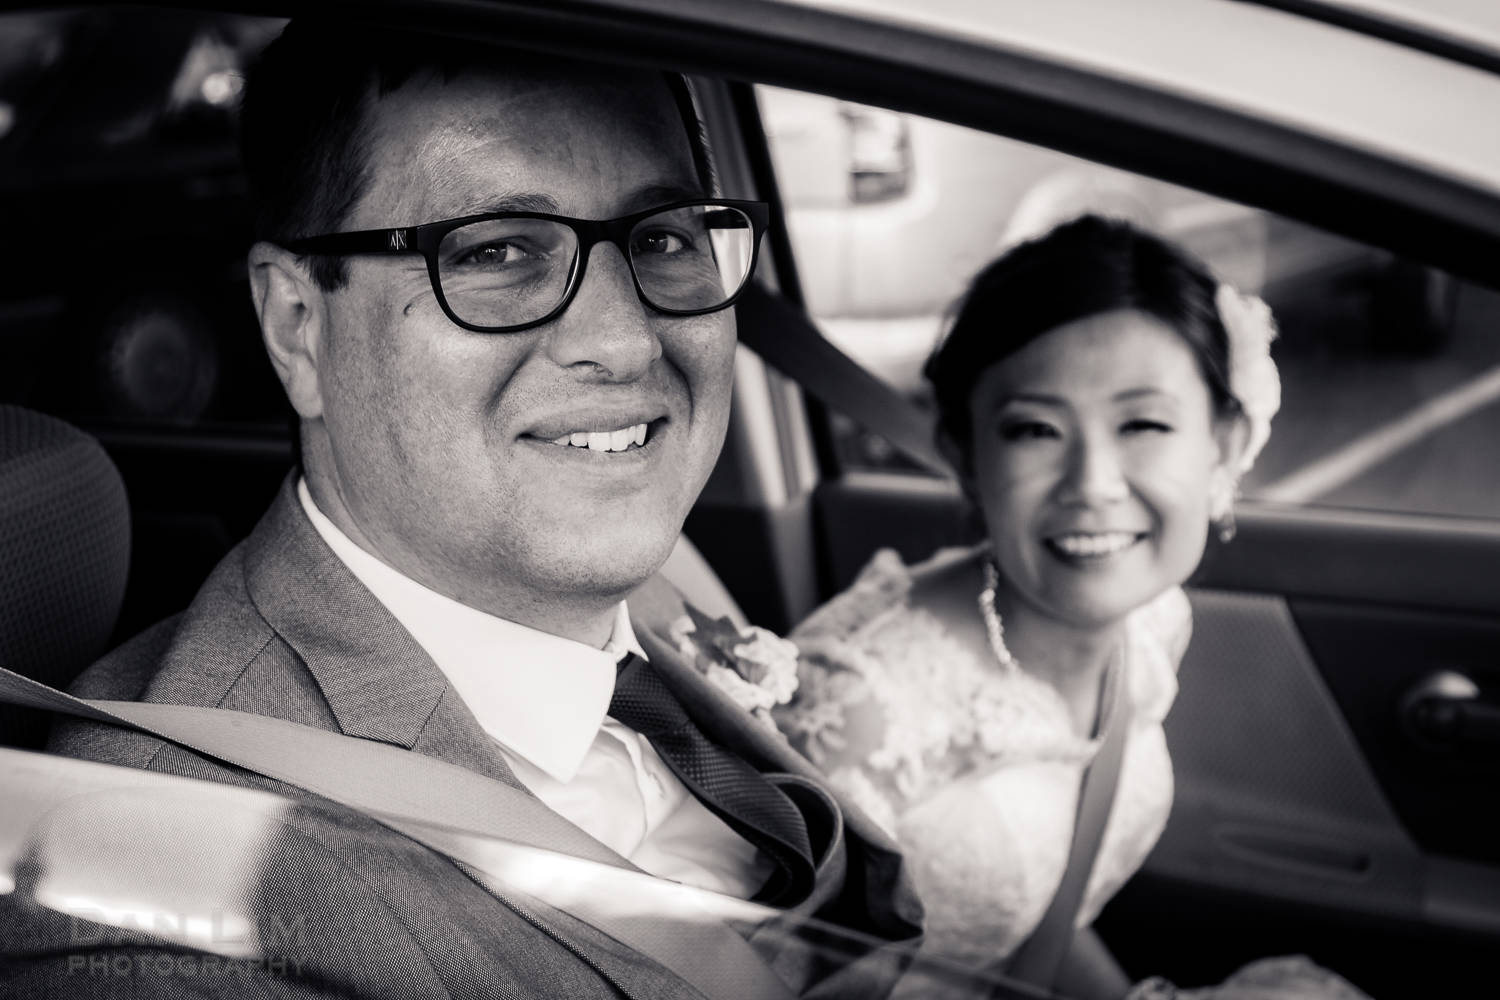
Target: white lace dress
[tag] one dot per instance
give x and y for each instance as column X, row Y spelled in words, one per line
column 973, row 767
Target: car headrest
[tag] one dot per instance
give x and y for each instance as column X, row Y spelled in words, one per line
column 64, row 556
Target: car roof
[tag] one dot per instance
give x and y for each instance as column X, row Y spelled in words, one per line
column 1461, row 29
column 1265, row 63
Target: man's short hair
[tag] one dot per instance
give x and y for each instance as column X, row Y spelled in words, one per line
column 304, row 120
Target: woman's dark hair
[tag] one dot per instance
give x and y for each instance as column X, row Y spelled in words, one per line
column 1082, row 268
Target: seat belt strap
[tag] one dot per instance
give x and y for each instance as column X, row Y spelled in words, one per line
column 784, row 338
column 1039, row 960
column 414, row 794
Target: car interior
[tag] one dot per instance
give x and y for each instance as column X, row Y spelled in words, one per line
column 1328, row 803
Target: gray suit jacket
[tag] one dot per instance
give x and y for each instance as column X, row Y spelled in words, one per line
column 282, row 628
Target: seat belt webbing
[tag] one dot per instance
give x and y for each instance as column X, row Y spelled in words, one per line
column 1039, row 960
column 412, row 793
column 784, row 338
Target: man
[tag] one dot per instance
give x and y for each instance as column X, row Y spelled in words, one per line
column 506, row 411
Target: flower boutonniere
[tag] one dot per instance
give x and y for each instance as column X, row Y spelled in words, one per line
column 754, row 666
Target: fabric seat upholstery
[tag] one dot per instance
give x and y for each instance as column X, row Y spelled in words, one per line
column 64, row 556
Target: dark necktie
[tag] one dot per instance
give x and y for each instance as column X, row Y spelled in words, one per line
column 733, row 790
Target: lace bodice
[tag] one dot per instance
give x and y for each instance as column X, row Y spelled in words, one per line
column 974, row 768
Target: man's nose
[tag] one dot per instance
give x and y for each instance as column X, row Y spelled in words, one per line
column 606, row 327
column 1095, row 472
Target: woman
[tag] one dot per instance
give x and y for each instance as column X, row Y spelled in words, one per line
column 1099, row 395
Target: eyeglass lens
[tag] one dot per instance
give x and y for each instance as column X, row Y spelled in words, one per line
column 507, row 272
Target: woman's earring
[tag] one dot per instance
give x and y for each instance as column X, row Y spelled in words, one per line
column 1225, row 523
column 1221, row 509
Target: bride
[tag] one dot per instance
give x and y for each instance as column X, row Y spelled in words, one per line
column 1099, row 396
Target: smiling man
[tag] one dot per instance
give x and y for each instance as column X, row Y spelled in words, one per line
column 497, row 289
column 449, row 453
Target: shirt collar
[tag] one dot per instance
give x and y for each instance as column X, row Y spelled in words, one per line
column 540, row 695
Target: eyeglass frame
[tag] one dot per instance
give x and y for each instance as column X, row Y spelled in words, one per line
column 425, row 239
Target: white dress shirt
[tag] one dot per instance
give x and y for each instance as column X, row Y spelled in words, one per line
column 543, row 698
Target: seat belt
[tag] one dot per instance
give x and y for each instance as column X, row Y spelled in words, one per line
column 453, row 811
column 1039, row 959
column 784, row 338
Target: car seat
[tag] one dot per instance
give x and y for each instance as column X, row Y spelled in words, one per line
column 64, row 556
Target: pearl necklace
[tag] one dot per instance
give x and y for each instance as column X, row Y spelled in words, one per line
column 992, row 626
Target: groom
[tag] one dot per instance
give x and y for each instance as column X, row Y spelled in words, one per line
column 498, row 446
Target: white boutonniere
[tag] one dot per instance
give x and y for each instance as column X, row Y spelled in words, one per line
column 754, row 666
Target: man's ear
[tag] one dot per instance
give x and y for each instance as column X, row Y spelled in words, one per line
column 290, row 308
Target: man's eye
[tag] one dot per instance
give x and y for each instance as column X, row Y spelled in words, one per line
column 493, row 255
column 1144, row 426
column 1027, row 430
column 659, row 241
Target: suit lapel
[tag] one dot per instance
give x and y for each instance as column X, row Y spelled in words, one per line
column 378, row 682
column 720, row 718
column 654, row 606
column 889, row 906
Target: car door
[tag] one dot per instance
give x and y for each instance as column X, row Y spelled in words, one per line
column 1333, row 740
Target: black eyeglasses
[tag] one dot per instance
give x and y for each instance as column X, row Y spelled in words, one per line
column 507, row 271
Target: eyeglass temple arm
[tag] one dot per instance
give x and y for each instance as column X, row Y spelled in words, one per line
column 402, row 240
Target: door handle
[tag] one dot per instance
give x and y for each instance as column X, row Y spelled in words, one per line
column 1445, row 713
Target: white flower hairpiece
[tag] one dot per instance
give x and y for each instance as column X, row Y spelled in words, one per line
column 1253, row 377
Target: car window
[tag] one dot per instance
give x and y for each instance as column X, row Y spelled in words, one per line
column 1390, row 370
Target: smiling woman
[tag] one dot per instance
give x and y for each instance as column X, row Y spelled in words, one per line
column 980, row 701
column 1093, row 462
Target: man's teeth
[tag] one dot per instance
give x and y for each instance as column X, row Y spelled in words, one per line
column 1094, row 545
column 618, row 440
